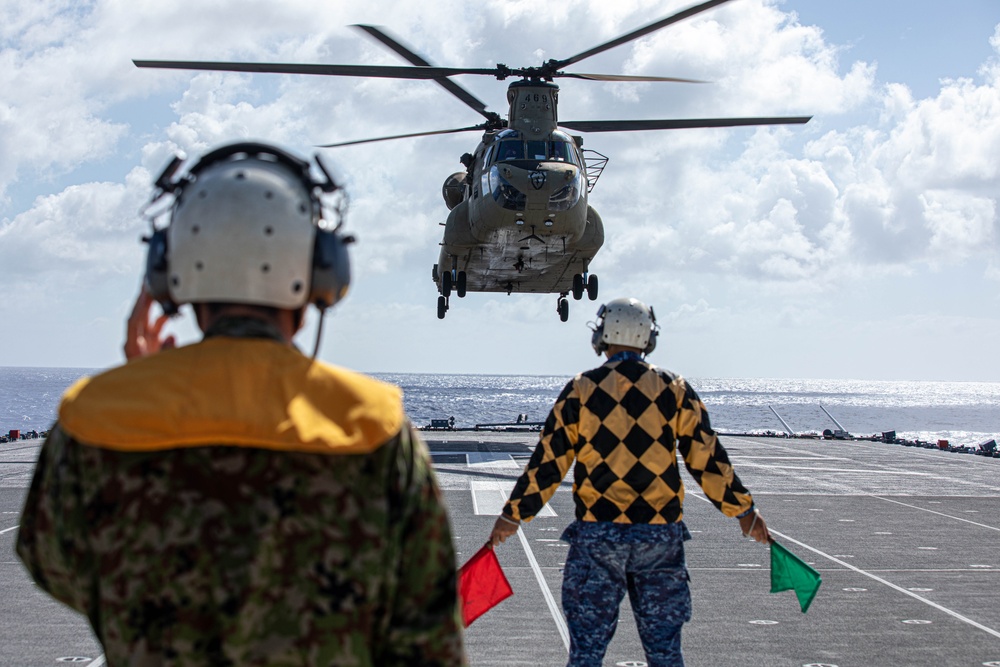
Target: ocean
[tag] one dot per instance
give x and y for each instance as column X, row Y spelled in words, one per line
column 965, row 413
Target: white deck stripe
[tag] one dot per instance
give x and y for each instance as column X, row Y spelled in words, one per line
column 924, row 509
column 772, row 466
column 490, row 496
column 7, row 530
column 891, row 585
column 786, row 448
column 546, row 593
column 741, row 457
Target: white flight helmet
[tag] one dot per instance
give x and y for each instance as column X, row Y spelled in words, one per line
column 627, row 322
column 244, row 228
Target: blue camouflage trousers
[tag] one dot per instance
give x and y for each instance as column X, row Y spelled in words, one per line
column 605, row 560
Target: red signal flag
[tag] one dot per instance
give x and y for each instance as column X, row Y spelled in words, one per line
column 481, row 584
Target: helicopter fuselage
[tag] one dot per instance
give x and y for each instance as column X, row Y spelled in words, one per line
column 520, row 221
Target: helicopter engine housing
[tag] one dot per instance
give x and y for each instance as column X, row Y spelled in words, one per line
column 458, row 235
column 454, row 189
column 593, row 235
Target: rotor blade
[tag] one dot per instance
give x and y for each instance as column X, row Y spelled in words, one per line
column 636, row 34
column 402, row 136
column 625, row 77
column 677, row 123
column 381, row 71
column 413, row 58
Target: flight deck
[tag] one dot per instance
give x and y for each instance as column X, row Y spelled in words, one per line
column 907, row 542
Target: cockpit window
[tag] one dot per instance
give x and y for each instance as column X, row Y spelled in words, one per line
column 511, row 149
column 510, row 146
column 537, row 150
column 561, row 151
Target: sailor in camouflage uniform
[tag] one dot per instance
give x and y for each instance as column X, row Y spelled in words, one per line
column 624, row 423
column 235, row 502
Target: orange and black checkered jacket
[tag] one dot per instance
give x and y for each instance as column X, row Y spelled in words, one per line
column 624, row 423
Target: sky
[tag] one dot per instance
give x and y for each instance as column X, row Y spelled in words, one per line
column 863, row 245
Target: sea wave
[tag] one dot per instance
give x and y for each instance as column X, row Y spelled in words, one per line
column 962, row 412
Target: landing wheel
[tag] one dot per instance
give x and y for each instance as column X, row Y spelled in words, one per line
column 577, row 286
column 592, row 287
column 563, row 309
column 446, row 284
column 460, row 284
column 442, row 307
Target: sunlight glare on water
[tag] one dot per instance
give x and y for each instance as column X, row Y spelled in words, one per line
column 963, row 412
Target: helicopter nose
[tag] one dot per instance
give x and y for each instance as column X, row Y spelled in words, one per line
column 543, row 179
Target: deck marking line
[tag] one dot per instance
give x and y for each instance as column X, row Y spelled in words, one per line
column 546, row 593
column 849, row 470
column 7, row 530
column 490, row 496
column 98, row 661
column 741, row 457
column 475, row 504
column 891, row 585
column 924, row 509
column 932, row 475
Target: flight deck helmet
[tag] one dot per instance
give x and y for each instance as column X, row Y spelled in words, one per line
column 627, row 322
column 246, row 227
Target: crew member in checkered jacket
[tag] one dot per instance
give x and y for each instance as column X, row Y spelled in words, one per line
column 624, row 423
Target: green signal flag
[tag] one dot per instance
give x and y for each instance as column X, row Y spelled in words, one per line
column 789, row 572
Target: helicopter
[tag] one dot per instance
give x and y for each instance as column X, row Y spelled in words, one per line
column 519, row 214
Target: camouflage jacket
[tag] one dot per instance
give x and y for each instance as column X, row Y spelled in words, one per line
column 624, row 423
column 234, row 503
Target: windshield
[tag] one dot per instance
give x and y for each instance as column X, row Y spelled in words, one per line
column 559, row 149
column 511, row 149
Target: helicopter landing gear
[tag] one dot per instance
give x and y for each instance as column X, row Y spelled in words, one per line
column 583, row 283
column 442, row 307
column 562, row 307
column 460, row 284
column 446, row 284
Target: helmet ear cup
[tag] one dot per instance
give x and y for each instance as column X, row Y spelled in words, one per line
column 651, row 345
column 157, row 271
column 596, row 339
column 331, row 272
column 654, row 332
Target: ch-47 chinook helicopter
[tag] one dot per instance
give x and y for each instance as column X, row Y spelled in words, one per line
column 519, row 216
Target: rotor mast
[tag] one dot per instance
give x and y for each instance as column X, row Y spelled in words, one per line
column 533, row 107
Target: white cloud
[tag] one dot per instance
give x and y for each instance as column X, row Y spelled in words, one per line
column 701, row 223
column 85, row 231
column 960, row 224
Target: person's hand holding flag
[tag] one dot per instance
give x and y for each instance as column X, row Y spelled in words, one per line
column 753, row 525
column 503, row 528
